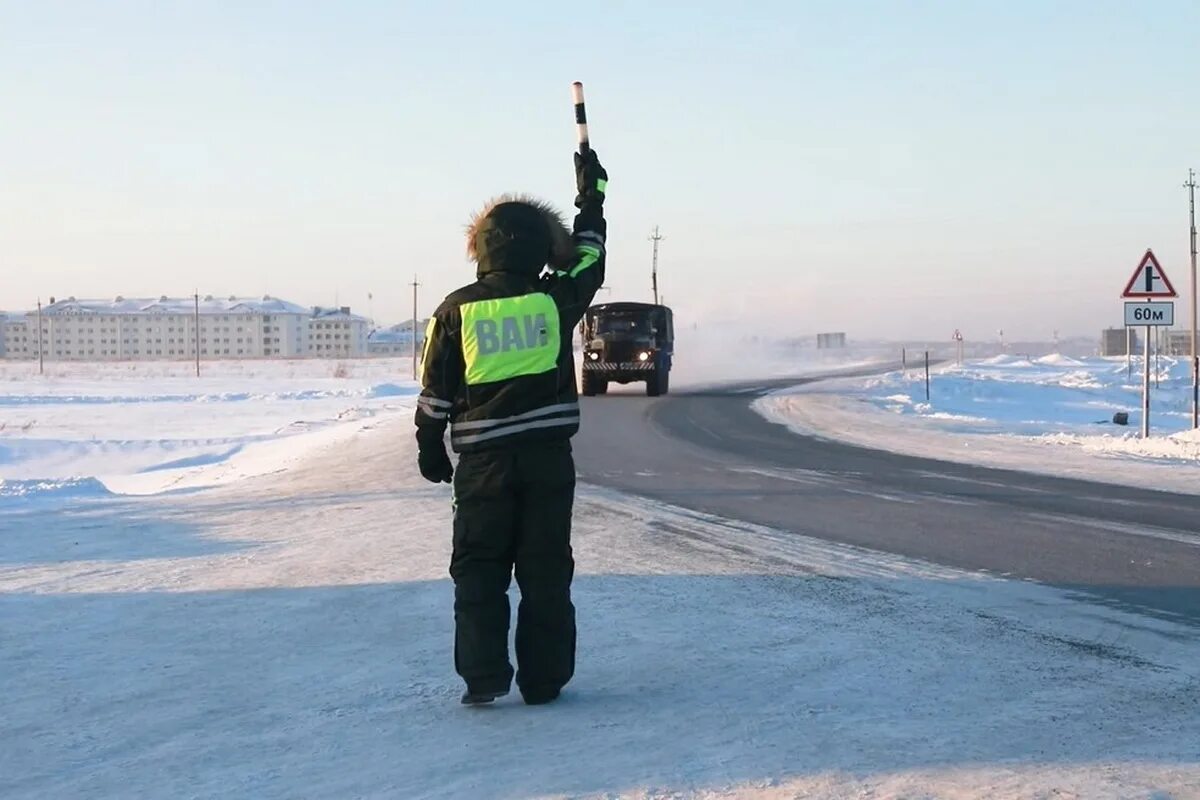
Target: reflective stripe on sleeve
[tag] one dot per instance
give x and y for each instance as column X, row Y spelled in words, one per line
column 591, row 236
column 588, row 256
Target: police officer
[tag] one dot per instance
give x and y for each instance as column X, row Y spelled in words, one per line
column 498, row 368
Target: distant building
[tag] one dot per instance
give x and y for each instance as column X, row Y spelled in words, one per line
column 336, row 333
column 830, row 341
column 1113, row 342
column 1178, row 343
column 12, row 332
column 166, row 328
column 396, row 340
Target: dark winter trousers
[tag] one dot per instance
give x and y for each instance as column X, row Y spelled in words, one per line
column 513, row 510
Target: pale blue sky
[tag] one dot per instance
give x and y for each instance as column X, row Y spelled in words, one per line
column 887, row 168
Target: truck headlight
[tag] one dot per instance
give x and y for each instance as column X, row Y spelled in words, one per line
column 594, row 356
column 643, row 356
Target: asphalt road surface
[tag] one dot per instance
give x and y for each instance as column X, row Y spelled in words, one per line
column 707, row 450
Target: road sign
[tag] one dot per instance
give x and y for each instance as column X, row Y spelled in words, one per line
column 1150, row 283
column 1155, row 314
column 1149, row 280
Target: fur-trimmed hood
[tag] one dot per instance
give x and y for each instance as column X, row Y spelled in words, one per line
column 518, row 233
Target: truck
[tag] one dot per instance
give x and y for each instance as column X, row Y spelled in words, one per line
column 627, row 343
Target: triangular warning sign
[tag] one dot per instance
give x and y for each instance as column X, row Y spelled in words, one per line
column 1149, row 280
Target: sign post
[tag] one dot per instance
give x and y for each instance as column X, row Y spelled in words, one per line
column 1146, row 385
column 1128, row 353
column 1148, row 283
column 927, row 398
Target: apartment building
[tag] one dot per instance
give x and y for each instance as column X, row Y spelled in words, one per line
column 336, row 333
column 12, row 332
column 172, row 328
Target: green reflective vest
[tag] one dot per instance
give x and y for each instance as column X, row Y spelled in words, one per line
column 509, row 337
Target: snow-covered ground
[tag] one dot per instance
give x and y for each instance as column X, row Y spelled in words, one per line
column 286, row 633
column 1051, row 414
column 149, row 427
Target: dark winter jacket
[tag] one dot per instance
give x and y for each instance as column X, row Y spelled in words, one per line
column 498, row 365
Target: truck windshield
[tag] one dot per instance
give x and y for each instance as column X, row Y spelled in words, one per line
column 621, row 323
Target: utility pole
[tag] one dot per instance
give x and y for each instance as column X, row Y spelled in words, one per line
column 414, row 330
column 656, row 238
column 1191, row 187
column 41, row 350
column 196, row 338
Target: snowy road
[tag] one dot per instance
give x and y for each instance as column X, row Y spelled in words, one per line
column 709, row 451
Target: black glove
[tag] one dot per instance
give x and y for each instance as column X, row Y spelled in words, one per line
column 590, row 179
column 434, row 464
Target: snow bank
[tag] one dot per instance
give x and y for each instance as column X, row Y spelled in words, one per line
column 290, row 636
column 390, row 390
column 1176, row 447
column 1007, row 412
column 1003, row 360
column 50, row 490
column 1058, row 360
column 235, row 372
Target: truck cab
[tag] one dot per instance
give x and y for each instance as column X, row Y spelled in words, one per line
column 627, row 343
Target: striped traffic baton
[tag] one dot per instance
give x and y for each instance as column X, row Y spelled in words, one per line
column 580, row 116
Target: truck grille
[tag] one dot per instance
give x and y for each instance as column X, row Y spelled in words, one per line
column 620, row 351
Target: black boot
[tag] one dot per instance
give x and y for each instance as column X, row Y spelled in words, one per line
column 470, row 698
column 540, row 695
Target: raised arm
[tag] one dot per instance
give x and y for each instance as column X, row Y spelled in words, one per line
column 574, row 287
